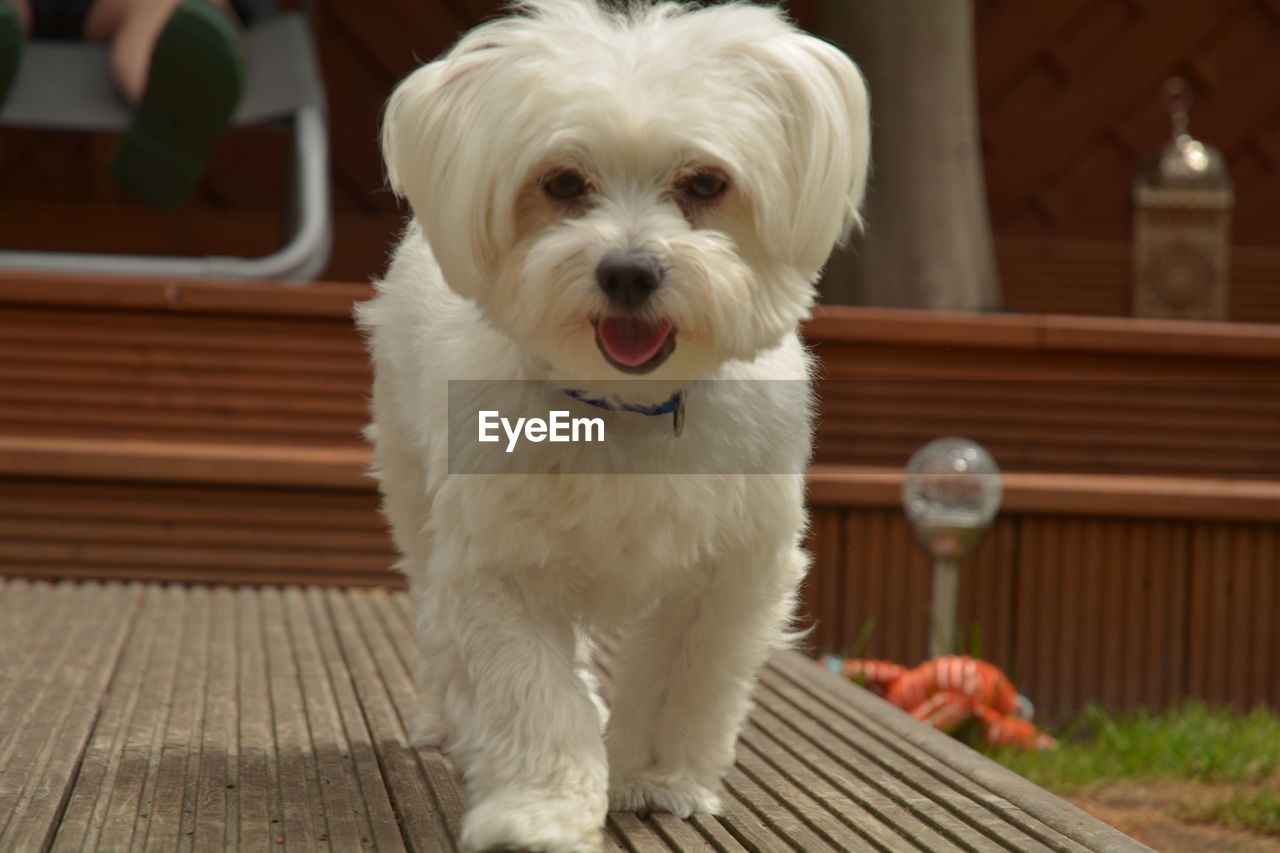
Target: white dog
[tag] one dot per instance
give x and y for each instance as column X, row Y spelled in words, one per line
column 602, row 196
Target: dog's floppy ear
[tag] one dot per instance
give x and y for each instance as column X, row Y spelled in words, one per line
column 401, row 120
column 438, row 147
column 822, row 99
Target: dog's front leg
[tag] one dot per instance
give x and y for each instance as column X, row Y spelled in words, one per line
column 523, row 729
column 685, row 679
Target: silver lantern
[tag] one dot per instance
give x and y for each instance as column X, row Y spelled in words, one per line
column 1182, row 224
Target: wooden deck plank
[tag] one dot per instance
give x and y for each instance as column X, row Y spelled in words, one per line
column 29, row 646
column 424, row 825
column 168, row 794
column 25, row 609
column 124, row 825
column 117, row 761
column 176, row 718
column 900, row 781
column 717, row 832
column 892, row 789
column 381, row 819
column 777, row 803
column 682, row 835
column 88, row 805
column 744, row 825
column 257, row 801
column 1005, row 794
column 43, row 756
column 343, row 817
column 216, row 823
column 629, row 832
column 301, row 821
column 940, row 799
column 858, row 804
column 390, row 618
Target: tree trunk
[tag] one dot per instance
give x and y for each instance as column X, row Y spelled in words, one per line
column 927, row 242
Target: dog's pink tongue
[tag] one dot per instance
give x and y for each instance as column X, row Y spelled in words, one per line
column 632, row 341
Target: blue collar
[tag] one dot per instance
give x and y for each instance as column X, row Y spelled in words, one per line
column 674, row 406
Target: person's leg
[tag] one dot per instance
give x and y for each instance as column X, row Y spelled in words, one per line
column 182, row 64
column 15, row 23
column 133, row 28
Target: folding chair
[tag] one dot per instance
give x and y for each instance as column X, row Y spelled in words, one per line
column 68, row 86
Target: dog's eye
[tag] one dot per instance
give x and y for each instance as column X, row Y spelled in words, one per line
column 706, row 185
column 565, row 185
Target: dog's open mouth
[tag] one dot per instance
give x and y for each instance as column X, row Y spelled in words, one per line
column 635, row 344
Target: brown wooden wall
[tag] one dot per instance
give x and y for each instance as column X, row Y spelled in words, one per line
column 1068, row 92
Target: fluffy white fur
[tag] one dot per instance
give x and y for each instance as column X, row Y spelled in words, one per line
column 494, row 280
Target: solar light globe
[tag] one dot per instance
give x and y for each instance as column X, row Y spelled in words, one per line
column 951, row 492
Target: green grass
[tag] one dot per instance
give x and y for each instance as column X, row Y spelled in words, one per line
column 1190, row 743
column 1254, row 811
column 1193, row 742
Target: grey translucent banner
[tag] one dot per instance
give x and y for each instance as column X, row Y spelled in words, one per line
column 645, row 428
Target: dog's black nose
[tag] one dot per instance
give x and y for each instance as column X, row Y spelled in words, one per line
column 629, row 278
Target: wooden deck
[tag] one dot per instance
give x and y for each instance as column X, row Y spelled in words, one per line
column 164, row 717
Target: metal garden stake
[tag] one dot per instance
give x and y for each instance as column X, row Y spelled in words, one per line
column 951, row 493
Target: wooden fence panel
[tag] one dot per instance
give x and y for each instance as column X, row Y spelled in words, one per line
column 1130, row 610
column 1234, row 575
column 823, row 592
column 989, row 593
column 1079, row 85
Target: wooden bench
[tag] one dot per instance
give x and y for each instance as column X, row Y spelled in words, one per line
column 166, row 717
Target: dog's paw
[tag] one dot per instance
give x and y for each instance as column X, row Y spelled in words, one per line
column 538, row 820
column 680, row 796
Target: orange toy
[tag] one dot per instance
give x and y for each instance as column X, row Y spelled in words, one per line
column 947, row 691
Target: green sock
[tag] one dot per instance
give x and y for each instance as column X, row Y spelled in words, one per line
column 194, row 84
column 11, row 41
